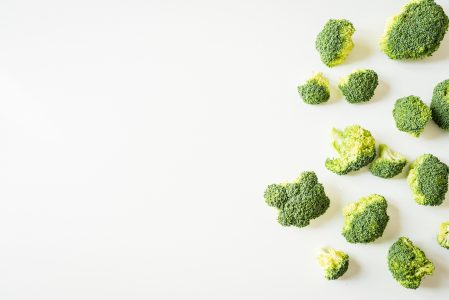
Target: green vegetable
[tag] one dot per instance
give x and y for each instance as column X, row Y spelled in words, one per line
column 408, row 264
column 298, row 202
column 365, row 220
column 315, row 90
column 440, row 104
column 443, row 235
column 334, row 262
column 359, row 86
column 416, row 32
column 428, row 180
column 388, row 164
column 411, row 115
column 334, row 42
column 356, row 148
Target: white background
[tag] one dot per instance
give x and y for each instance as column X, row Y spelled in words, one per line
column 137, row 138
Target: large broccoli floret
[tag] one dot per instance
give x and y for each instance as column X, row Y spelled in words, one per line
column 411, row 115
column 365, row 220
column 334, row 42
column 443, row 235
column 388, row 164
column 359, row 86
column 416, row 32
column 408, row 264
column 298, row 202
column 334, row 262
column 440, row 104
column 315, row 90
column 428, row 179
column 356, row 148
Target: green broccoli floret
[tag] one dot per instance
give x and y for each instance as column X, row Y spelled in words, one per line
column 334, row 42
column 298, row 202
column 356, row 148
column 408, row 264
column 411, row 115
column 440, row 104
column 315, row 90
column 359, row 86
column 365, row 220
column 443, row 235
column 334, row 262
column 388, row 164
column 428, row 180
column 416, row 32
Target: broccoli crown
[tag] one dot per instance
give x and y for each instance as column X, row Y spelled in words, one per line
column 298, row 202
column 416, row 32
column 334, row 42
column 388, row 164
column 365, row 220
column 356, row 148
column 428, row 180
column 315, row 90
column 443, row 235
column 411, row 115
column 334, row 262
column 440, row 104
column 359, row 86
column 408, row 264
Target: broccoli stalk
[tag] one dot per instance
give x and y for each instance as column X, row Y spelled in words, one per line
column 315, row 90
column 359, row 86
column 411, row 115
column 440, row 105
column 443, row 235
column 388, row 164
column 334, row 263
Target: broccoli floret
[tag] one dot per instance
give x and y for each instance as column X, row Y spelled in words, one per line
column 440, row 104
column 315, row 90
column 388, row 164
column 359, row 86
column 411, row 115
column 356, row 148
column 334, row 42
column 334, row 262
column 416, row 32
column 365, row 220
column 443, row 235
column 428, row 180
column 408, row 264
column 298, row 202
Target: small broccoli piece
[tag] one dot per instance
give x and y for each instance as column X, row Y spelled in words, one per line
column 443, row 235
column 359, row 86
column 365, row 220
column 334, row 42
column 388, row 164
column 408, row 264
column 428, row 180
column 411, row 115
column 356, row 148
column 298, row 202
column 440, row 104
column 416, row 32
column 334, row 262
column 315, row 90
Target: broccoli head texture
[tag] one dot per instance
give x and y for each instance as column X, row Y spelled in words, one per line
column 315, row 90
column 359, row 86
column 365, row 220
column 440, row 105
column 411, row 115
column 428, row 180
column 388, row 164
column 416, row 32
column 356, row 148
column 443, row 235
column 408, row 264
column 298, row 202
column 334, row 262
column 334, row 42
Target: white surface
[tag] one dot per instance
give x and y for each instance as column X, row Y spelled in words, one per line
column 138, row 138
